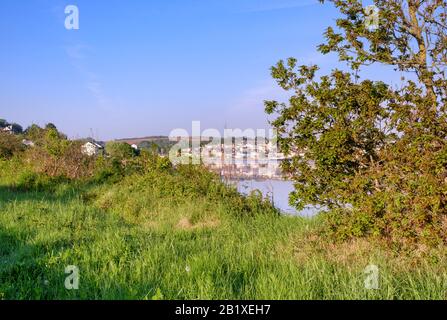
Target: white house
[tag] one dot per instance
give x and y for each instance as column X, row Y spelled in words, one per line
column 7, row 129
column 91, row 148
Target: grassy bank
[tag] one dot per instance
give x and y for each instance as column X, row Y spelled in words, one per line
column 181, row 234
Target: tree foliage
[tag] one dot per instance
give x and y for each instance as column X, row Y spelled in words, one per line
column 16, row 128
column 9, row 145
column 374, row 155
column 119, row 150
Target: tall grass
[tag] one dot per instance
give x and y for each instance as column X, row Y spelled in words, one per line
column 181, row 234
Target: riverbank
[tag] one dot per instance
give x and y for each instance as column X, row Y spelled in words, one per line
column 184, row 235
column 276, row 190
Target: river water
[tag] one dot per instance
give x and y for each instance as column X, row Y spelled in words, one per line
column 276, row 190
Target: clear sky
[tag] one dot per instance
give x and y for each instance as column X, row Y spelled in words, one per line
column 145, row 67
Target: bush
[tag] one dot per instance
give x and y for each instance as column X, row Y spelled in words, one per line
column 9, row 145
column 33, row 181
column 373, row 153
column 120, row 150
column 60, row 157
column 107, row 170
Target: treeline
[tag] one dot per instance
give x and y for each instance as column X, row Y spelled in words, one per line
column 48, row 155
column 53, row 162
column 159, row 145
column 45, row 150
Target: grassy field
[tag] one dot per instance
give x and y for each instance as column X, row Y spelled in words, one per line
column 179, row 235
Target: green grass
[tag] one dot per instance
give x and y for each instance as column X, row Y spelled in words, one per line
column 163, row 236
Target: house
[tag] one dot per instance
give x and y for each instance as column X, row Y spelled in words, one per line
column 8, row 129
column 92, row 148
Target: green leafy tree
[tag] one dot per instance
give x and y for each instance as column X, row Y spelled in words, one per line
column 50, row 125
column 150, row 147
column 374, row 155
column 119, row 150
column 34, row 133
column 39, row 135
column 55, row 144
column 17, row 128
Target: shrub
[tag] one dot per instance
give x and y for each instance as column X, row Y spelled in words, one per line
column 107, row 170
column 33, row 181
column 119, row 150
column 9, row 145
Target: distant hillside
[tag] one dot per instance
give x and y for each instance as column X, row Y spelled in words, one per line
column 154, row 139
column 137, row 141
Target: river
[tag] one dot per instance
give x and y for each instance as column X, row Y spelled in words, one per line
column 278, row 191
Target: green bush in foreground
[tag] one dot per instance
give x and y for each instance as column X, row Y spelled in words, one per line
column 374, row 153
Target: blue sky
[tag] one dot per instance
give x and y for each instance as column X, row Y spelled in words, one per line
column 145, row 67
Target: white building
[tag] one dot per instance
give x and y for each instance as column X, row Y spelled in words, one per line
column 7, row 129
column 91, row 148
